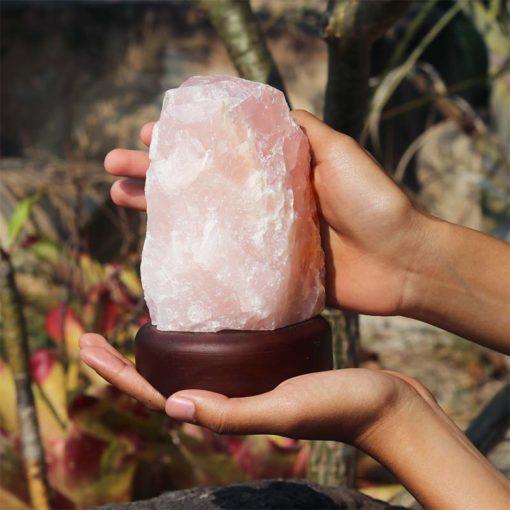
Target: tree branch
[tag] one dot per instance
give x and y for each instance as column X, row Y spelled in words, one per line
column 490, row 426
column 352, row 28
column 240, row 31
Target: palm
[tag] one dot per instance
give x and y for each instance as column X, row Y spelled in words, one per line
column 359, row 281
column 323, row 405
column 366, row 223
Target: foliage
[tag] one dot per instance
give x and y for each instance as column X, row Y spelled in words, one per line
column 101, row 446
column 19, row 218
column 392, row 80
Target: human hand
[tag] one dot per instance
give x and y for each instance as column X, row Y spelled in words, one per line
column 383, row 256
column 388, row 415
column 342, row 405
column 370, row 230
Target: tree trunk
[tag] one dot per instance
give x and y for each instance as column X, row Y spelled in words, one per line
column 352, row 28
column 331, row 463
column 240, row 31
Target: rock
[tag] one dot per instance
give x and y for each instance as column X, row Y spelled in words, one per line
column 232, row 233
column 259, row 495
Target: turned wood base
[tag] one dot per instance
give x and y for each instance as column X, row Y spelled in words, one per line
column 234, row 363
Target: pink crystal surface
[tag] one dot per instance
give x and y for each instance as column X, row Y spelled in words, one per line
column 232, row 233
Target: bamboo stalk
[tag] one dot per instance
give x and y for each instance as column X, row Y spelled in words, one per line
column 17, row 353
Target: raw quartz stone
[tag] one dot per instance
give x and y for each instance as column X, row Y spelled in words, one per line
column 232, row 233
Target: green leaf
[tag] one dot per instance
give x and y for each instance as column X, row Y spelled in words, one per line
column 20, row 217
column 46, row 250
column 411, row 151
column 395, row 77
column 411, row 31
column 492, row 23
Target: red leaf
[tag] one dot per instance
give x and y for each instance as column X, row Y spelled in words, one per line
column 81, row 404
column 41, row 363
column 102, row 310
column 108, row 319
column 82, row 457
column 62, row 321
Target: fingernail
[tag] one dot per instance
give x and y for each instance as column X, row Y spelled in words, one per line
column 180, row 409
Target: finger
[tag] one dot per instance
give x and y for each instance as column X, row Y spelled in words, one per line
column 146, row 133
column 123, row 375
column 325, row 142
column 95, row 340
column 129, row 193
column 260, row 414
column 127, row 163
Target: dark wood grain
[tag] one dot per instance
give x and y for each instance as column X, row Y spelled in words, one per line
column 234, row 363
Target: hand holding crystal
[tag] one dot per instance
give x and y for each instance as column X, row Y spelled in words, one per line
column 390, row 416
column 383, row 256
column 370, row 230
column 342, row 405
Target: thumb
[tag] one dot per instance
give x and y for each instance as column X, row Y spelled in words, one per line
column 326, row 144
column 260, row 414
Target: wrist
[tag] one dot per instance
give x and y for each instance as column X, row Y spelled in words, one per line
column 431, row 247
column 457, row 279
column 391, row 421
column 434, row 460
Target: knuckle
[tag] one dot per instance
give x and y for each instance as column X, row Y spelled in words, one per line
column 299, row 112
column 345, row 142
column 154, row 400
column 122, row 371
column 221, row 424
column 338, row 145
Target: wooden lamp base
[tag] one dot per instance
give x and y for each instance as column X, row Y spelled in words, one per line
column 234, row 363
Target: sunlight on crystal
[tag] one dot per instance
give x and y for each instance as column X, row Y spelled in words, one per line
column 232, row 234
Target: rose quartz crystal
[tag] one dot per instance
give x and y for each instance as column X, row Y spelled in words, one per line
column 232, row 233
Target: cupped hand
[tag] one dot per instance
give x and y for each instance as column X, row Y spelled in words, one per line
column 390, row 416
column 343, row 405
column 370, row 231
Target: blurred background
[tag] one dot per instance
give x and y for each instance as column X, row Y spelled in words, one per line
column 425, row 85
